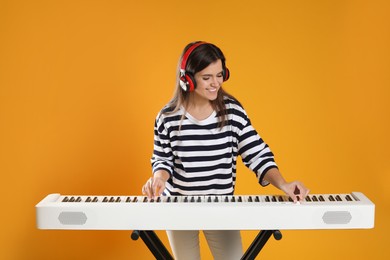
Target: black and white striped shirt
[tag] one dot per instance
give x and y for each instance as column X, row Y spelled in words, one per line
column 201, row 157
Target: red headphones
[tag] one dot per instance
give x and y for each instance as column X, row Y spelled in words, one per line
column 187, row 81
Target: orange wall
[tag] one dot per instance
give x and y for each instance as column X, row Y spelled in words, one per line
column 81, row 83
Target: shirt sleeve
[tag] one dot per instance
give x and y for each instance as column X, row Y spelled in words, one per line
column 162, row 158
column 255, row 153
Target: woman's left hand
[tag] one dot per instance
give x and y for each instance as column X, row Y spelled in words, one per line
column 295, row 190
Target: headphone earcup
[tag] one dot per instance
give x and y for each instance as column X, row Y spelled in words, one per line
column 190, row 81
column 226, row 74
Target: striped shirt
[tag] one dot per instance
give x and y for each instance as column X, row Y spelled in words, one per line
column 201, row 157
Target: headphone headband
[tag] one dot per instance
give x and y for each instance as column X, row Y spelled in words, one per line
column 187, row 54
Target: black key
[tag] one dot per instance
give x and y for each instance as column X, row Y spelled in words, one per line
column 169, row 199
column 128, row 199
column 185, row 199
column 233, row 199
column 199, row 199
column 175, row 199
column 331, row 198
column 308, row 198
column 321, row 198
column 315, row 198
column 135, row 199
column 78, row 199
column 338, row 198
column 145, row 199
column 192, row 199
column 257, row 199
column 280, row 199
column 72, row 199
column 267, row 199
column 250, row 199
column 105, row 199
column 112, row 199
column 88, row 199
column 216, row 199
column 226, row 199
column 348, row 198
column 209, row 199
column 159, row 199
column 239, row 199
column 95, row 199
column 273, row 198
column 66, row 199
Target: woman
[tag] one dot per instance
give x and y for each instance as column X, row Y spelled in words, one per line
column 198, row 136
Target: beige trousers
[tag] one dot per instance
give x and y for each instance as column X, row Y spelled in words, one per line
column 223, row 244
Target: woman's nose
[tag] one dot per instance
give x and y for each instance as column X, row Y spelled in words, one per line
column 216, row 81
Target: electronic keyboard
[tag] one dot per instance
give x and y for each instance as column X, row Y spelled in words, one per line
column 235, row 212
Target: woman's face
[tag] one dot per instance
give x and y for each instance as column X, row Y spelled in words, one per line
column 209, row 81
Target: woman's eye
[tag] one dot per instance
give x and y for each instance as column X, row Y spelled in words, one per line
column 206, row 78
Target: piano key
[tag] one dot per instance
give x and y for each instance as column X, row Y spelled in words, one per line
column 331, row 198
column 88, row 199
column 78, row 199
column 111, row 199
column 66, row 199
column 338, row 198
column 105, row 199
column 348, row 198
column 95, row 199
column 321, row 198
column 72, row 199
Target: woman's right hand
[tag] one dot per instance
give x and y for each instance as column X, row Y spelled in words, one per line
column 155, row 186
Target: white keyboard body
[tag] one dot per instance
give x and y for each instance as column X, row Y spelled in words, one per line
column 245, row 212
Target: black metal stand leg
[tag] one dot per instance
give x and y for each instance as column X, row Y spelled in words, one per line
column 259, row 242
column 154, row 244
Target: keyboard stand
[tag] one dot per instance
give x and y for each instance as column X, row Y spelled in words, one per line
column 257, row 244
column 159, row 251
column 154, row 244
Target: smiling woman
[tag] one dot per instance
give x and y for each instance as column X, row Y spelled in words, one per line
column 198, row 137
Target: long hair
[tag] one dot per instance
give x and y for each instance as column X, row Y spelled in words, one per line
column 199, row 59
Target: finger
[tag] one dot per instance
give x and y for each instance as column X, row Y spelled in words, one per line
column 303, row 191
column 147, row 189
column 157, row 188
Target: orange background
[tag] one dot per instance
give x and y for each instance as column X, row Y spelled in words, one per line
column 82, row 81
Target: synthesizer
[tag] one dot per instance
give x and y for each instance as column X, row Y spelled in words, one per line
column 236, row 212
